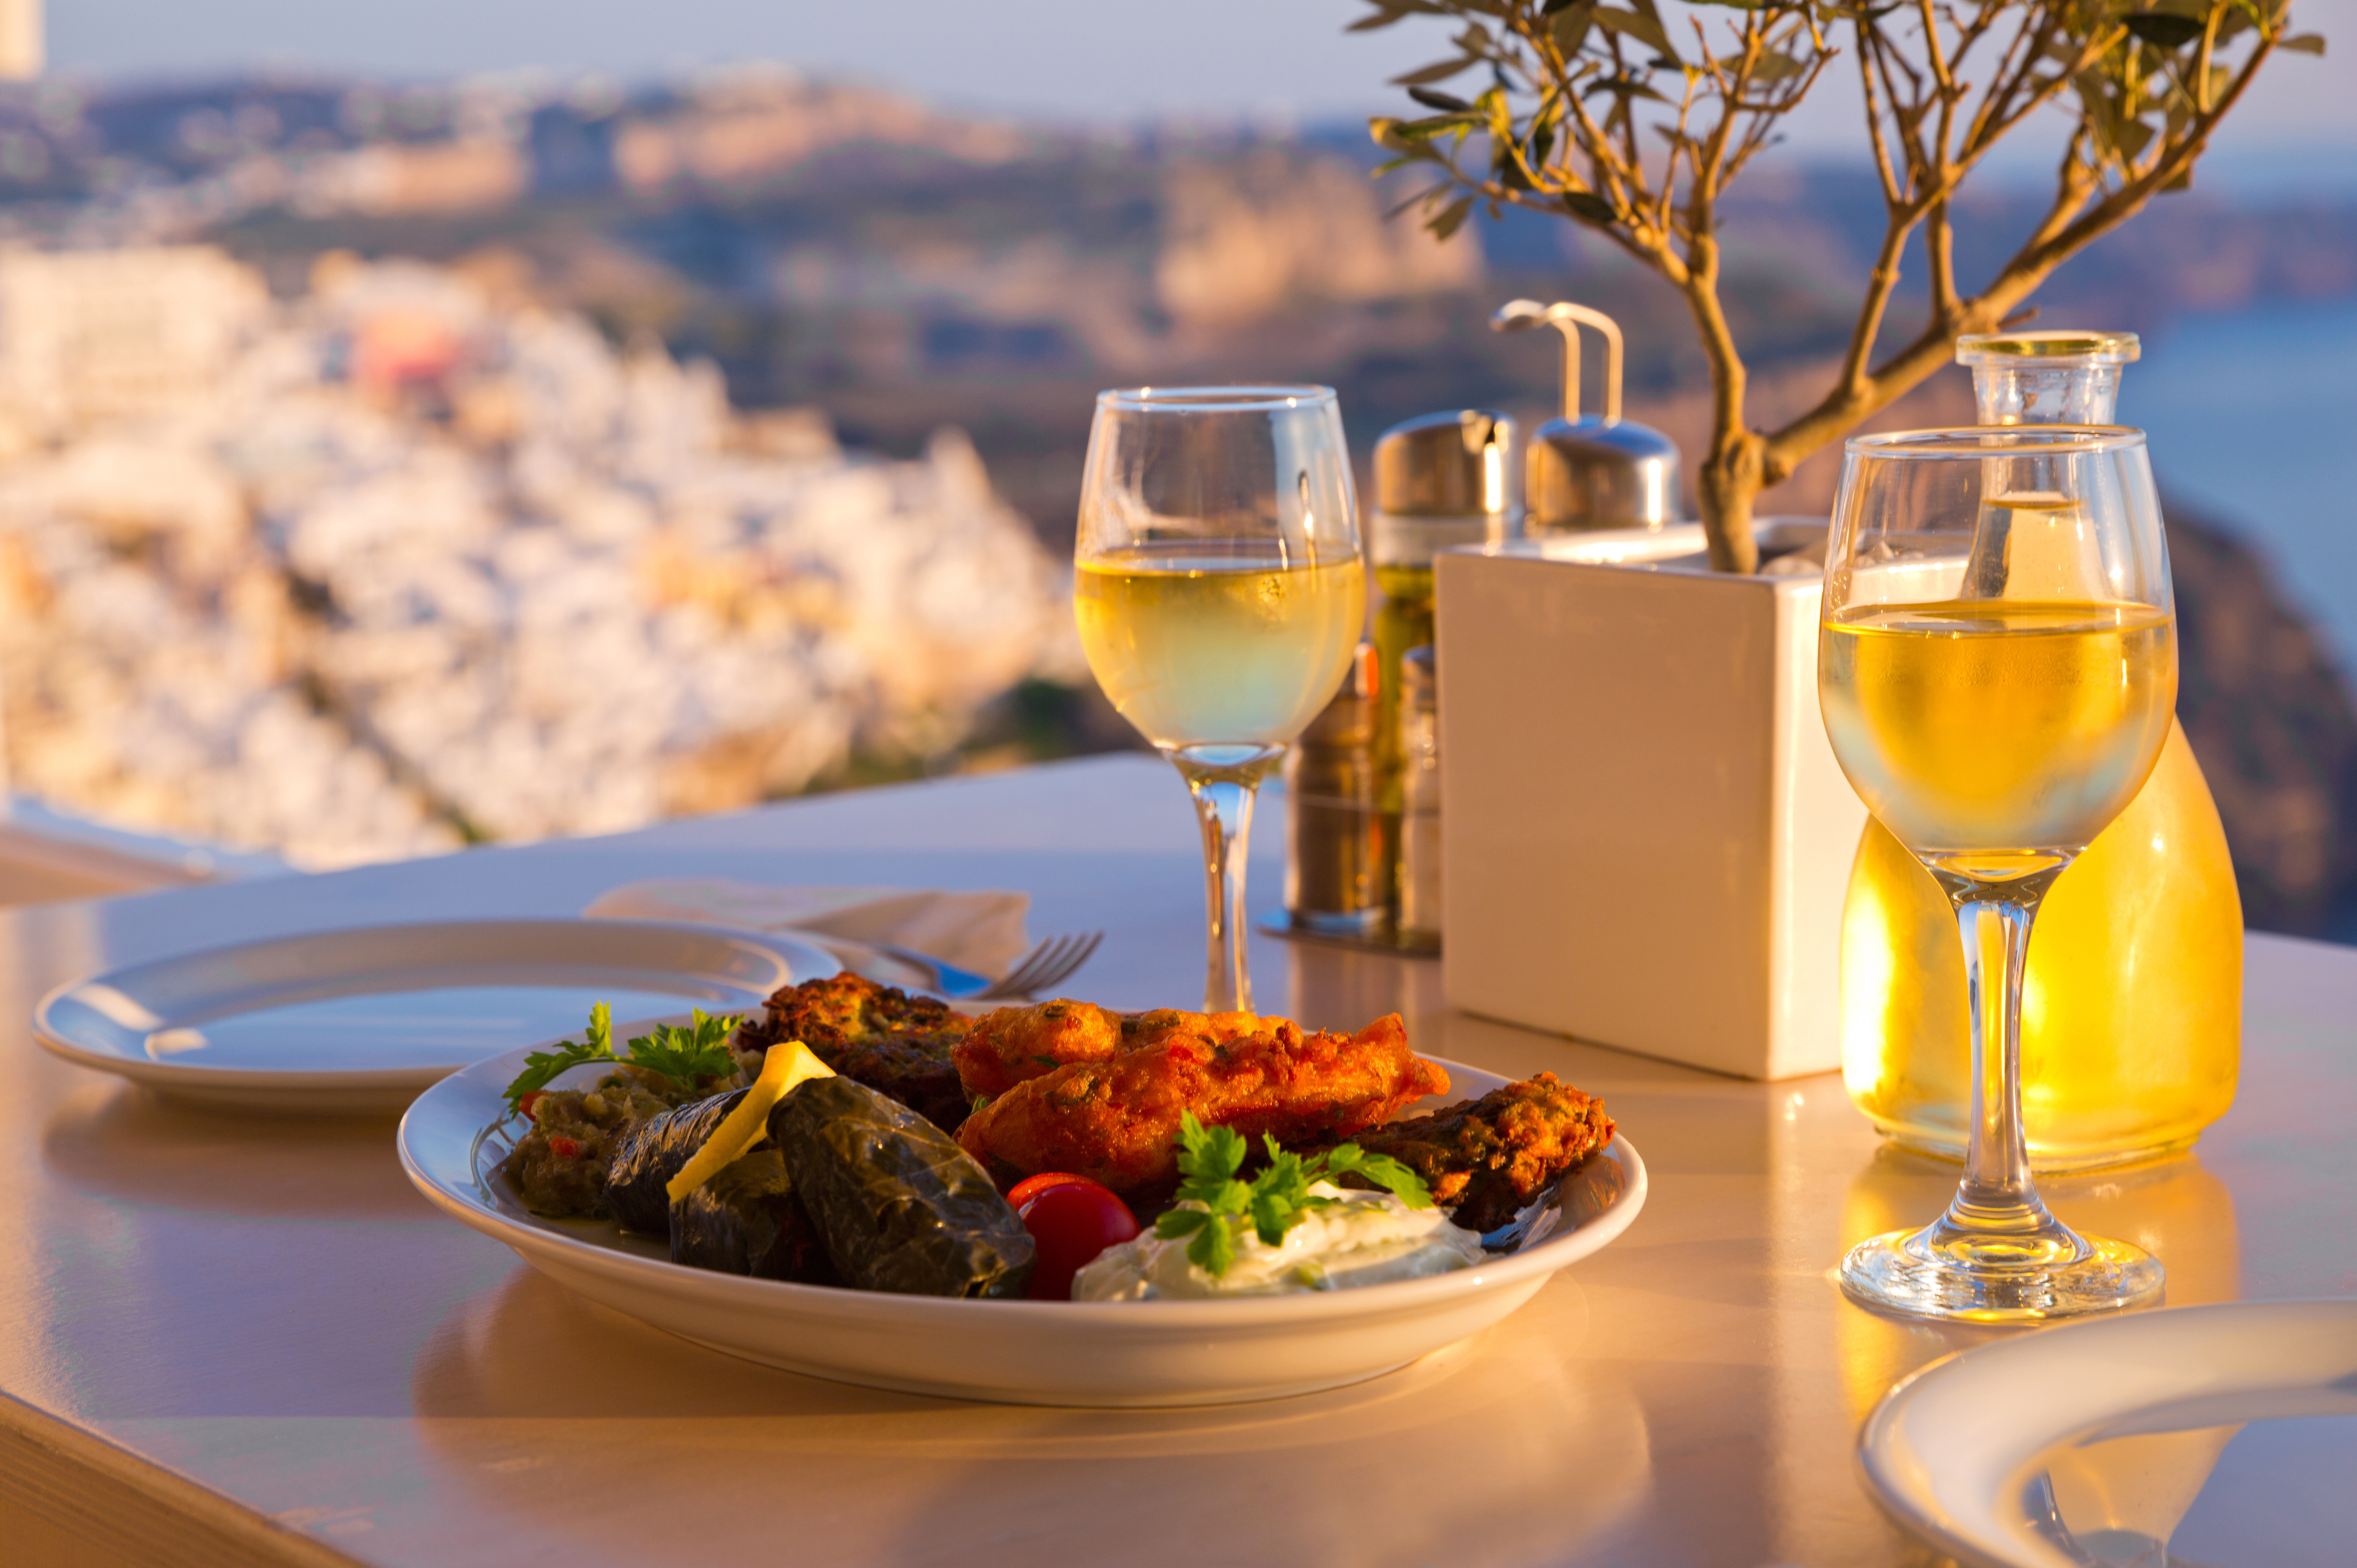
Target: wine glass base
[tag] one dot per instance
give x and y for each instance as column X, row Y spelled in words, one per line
column 1909, row 1272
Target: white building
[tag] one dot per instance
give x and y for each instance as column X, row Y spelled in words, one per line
column 404, row 561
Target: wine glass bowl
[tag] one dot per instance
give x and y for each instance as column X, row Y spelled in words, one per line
column 1998, row 668
column 1220, row 591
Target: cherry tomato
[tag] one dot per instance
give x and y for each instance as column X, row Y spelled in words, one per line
column 1031, row 1187
column 1071, row 1222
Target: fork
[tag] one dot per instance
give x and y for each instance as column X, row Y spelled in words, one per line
column 1041, row 968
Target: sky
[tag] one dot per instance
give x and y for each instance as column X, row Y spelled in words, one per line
column 1273, row 61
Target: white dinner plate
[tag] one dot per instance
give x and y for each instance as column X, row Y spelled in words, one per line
column 362, row 1020
column 1016, row 1352
column 2094, row 1443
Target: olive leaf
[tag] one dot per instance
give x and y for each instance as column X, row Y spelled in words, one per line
column 1646, row 31
column 2163, row 29
column 1441, row 71
column 1451, row 218
column 1588, row 205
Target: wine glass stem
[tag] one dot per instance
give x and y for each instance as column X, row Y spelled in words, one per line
column 1997, row 1199
column 1224, row 784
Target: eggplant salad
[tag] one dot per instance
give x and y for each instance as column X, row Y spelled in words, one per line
column 858, row 1137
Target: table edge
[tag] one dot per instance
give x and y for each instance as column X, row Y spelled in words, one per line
column 132, row 1509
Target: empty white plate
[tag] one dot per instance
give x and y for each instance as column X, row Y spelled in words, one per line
column 2217, row 1436
column 1014, row 1352
column 359, row 1021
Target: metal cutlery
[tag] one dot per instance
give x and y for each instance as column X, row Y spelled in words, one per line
column 1041, row 968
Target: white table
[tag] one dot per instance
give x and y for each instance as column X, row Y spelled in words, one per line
column 234, row 1341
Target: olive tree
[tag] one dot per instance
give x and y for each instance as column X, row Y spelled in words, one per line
column 1633, row 121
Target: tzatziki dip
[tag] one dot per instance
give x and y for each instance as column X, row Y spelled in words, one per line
column 1364, row 1238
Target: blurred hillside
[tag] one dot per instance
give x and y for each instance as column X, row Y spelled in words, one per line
column 904, row 268
column 862, row 272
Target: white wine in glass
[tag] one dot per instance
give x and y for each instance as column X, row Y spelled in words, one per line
column 1193, row 643
column 1998, row 690
column 1220, row 592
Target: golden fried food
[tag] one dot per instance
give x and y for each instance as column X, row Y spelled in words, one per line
column 1489, row 1157
column 896, row 1044
column 1115, row 1119
column 1014, row 1043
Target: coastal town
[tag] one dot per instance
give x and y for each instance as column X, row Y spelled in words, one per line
column 407, row 561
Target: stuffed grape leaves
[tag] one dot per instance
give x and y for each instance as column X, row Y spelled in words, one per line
column 900, row 1206
column 652, row 1152
column 748, row 1220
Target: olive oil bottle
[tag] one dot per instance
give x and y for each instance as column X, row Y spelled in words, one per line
column 2132, row 1004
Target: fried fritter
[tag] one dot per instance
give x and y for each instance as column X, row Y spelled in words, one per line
column 1490, row 1158
column 896, row 1044
column 1014, row 1043
column 1115, row 1119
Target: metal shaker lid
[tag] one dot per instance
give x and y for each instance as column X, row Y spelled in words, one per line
column 1586, row 472
column 1450, row 464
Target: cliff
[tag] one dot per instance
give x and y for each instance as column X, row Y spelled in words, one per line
column 2275, row 733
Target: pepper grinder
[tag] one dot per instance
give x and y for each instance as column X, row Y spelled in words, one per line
column 1585, row 472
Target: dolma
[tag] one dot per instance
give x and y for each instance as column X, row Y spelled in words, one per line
column 901, row 1205
column 650, row 1153
column 747, row 1221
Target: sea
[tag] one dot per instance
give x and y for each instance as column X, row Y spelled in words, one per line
column 2252, row 418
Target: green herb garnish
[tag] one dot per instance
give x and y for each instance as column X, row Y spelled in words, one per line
column 682, row 1055
column 540, row 1067
column 1210, row 1160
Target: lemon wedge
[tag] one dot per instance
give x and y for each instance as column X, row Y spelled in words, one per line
column 744, row 1127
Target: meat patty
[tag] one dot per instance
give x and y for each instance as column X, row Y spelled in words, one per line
column 1487, row 1158
column 896, row 1044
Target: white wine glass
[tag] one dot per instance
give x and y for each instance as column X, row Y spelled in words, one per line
column 1220, row 592
column 1995, row 720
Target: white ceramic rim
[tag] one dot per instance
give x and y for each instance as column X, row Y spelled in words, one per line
column 918, row 1313
column 798, row 960
column 1947, row 1451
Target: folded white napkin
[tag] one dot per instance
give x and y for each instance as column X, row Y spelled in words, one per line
column 980, row 931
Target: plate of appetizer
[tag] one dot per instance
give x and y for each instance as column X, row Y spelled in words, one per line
column 1045, row 1205
column 359, row 1021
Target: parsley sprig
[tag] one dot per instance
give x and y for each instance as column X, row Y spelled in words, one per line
column 682, row 1055
column 1211, row 1163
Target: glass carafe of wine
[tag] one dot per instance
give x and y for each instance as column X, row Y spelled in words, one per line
column 2131, row 1015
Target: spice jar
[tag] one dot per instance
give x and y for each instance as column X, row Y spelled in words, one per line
column 1333, row 867
column 1419, row 873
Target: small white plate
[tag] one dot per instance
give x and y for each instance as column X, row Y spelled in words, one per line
column 361, row 1021
column 1012, row 1352
column 1997, row 1455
